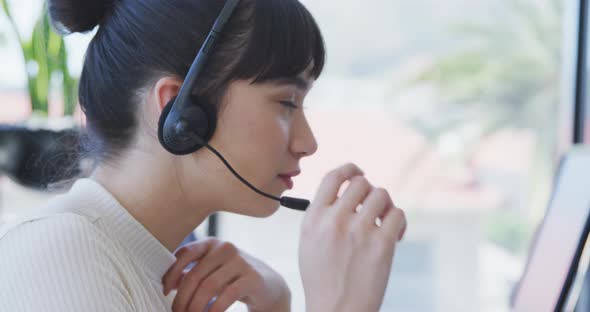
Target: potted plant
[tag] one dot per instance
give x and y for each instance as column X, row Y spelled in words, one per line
column 36, row 152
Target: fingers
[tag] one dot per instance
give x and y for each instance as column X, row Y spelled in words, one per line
column 213, row 285
column 328, row 190
column 219, row 254
column 184, row 255
column 232, row 293
column 375, row 206
column 354, row 195
column 378, row 204
column 394, row 223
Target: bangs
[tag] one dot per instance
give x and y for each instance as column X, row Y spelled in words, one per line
column 285, row 41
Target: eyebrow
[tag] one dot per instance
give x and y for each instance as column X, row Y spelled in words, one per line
column 298, row 82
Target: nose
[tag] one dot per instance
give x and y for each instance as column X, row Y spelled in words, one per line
column 303, row 142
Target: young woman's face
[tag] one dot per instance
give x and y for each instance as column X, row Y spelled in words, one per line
column 263, row 132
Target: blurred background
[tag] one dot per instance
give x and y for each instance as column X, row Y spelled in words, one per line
column 454, row 106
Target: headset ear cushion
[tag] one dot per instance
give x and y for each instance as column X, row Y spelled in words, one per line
column 208, row 110
column 197, row 122
column 192, row 137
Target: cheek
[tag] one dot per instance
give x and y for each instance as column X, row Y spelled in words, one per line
column 262, row 132
column 268, row 139
column 256, row 141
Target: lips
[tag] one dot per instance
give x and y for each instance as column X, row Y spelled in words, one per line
column 287, row 178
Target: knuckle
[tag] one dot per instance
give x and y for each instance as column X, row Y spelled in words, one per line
column 381, row 194
column 181, row 252
column 360, row 180
column 349, row 165
column 397, row 214
column 191, row 249
column 400, row 215
column 339, row 174
column 213, row 241
column 334, row 177
column 228, row 249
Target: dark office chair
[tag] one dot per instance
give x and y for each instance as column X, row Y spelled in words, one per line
column 36, row 158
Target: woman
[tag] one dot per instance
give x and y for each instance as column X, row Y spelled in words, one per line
column 107, row 244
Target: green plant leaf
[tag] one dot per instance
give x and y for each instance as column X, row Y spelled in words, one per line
column 40, row 57
column 44, row 54
column 6, row 8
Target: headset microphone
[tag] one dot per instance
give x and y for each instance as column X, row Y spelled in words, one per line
column 186, row 124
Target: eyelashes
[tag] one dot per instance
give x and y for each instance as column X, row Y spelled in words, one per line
column 289, row 104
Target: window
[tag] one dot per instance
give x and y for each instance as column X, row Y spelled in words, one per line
column 459, row 108
column 454, row 109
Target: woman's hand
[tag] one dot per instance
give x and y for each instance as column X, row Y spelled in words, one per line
column 227, row 274
column 344, row 256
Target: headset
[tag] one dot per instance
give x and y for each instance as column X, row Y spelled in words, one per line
column 186, row 124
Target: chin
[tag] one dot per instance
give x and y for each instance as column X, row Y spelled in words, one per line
column 264, row 210
column 259, row 209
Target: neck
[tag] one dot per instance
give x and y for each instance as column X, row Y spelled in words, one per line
column 156, row 196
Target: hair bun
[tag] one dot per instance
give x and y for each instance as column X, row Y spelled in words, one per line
column 70, row 16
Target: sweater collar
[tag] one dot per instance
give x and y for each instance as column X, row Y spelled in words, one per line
column 143, row 247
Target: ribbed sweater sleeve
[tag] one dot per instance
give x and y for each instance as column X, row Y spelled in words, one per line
column 61, row 263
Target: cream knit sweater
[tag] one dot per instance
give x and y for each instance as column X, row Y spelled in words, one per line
column 84, row 252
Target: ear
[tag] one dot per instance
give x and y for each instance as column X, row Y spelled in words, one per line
column 165, row 90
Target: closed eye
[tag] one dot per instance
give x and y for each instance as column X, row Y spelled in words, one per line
column 289, row 104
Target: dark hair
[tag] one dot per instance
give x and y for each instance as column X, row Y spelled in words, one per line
column 138, row 41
